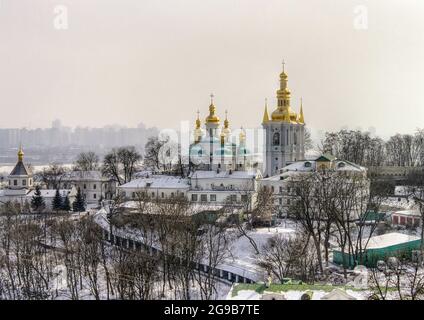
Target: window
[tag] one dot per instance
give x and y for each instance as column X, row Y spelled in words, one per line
column 194, row 197
column 280, row 201
column 153, row 194
column 94, row 186
column 133, row 195
column 308, row 164
column 24, row 182
column 288, row 201
column 94, row 196
column 203, row 197
column 85, row 186
column 272, row 189
column 244, row 198
column 276, row 139
column 281, row 189
column 213, row 197
column 15, row 182
column 172, row 194
column 163, row 195
column 233, row 198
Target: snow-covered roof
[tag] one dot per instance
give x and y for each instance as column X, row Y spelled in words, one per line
column 305, row 166
column 408, row 213
column 93, row 175
column 402, row 190
column 389, row 239
column 203, row 174
column 157, row 182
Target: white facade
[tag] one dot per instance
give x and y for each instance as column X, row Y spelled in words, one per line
column 20, row 187
column 281, row 184
column 201, row 186
column 93, row 185
column 156, row 187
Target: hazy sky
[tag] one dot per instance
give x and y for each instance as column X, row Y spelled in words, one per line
column 157, row 61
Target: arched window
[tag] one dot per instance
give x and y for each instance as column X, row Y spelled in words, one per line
column 276, row 139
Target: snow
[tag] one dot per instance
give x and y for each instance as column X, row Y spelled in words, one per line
column 244, row 257
column 414, row 213
column 390, row 239
column 200, row 174
column 157, row 181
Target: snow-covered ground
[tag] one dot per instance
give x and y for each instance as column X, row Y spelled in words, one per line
column 294, row 295
column 244, row 257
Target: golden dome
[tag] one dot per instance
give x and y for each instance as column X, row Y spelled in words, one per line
column 242, row 135
column 198, row 122
column 212, row 117
column 277, row 115
column 20, row 154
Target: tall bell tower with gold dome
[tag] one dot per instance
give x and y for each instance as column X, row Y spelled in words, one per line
column 284, row 131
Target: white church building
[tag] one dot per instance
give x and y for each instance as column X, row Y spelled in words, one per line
column 20, row 186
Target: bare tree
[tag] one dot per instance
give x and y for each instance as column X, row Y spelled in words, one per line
column 86, row 161
column 52, row 175
column 121, row 164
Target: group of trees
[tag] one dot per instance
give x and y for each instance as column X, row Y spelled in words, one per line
column 335, row 207
column 362, row 148
column 186, row 235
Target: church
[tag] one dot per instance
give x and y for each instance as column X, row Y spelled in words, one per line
column 217, row 148
column 284, row 132
column 20, row 187
column 221, row 165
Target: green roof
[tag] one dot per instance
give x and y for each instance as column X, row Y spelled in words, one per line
column 326, row 157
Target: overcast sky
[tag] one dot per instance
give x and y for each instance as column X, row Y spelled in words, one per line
column 156, row 61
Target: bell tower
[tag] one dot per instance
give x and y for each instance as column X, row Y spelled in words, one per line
column 284, row 131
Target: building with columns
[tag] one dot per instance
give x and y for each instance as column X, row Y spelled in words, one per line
column 284, row 132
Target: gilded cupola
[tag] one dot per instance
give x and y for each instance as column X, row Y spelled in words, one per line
column 283, row 112
column 212, row 117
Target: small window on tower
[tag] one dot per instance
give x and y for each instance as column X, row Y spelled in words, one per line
column 276, row 139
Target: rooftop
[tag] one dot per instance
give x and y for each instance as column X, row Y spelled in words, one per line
column 157, row 181
column 200, row 174
column 20, row 170
column 390, row 239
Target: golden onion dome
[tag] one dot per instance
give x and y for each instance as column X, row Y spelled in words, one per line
column 277, row 115
column 242, row 135
column 212, row 117
column 20, row 154
column 283, row 75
